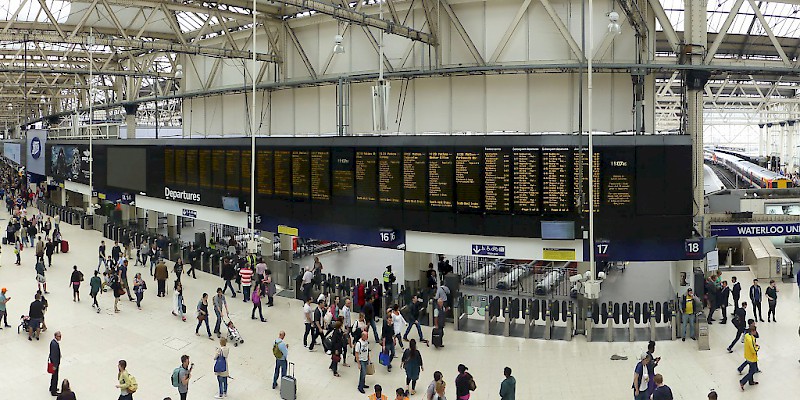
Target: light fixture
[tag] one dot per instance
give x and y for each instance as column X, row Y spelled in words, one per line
column 178, row 71
column 10, row 106
column 613, row 25
column 338, row 48
column 42, row 99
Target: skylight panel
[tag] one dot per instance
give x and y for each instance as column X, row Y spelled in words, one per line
column 32, row 11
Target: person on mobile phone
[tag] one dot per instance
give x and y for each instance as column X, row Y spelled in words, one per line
column 184, row 376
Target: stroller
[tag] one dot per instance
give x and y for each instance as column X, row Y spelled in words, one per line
column 233, row 334
column 24, row 324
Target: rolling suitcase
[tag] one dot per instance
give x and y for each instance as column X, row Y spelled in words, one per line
column 289, row 384
column 436, row 337
column 64, row 246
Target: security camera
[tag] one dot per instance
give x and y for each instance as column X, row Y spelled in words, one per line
column 601, row 275
column 576, row 278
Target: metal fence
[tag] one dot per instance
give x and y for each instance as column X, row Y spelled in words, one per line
column 521, row 277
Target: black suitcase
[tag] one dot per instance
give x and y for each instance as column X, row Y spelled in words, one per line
column 5, row 240
column 436, row 337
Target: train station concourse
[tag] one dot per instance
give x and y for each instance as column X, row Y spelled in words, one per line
column 399, row 199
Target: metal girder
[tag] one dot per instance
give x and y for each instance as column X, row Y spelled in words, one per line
column 40, row 27
column 463, row 33
column 723, row 31
column 349, row 15
column 666, row 25
column 510, row 31
column 562, row 28
column 137, row 44
column 635, row 17
column 767, row 28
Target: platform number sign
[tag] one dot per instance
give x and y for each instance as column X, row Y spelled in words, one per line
column 601, row 248
column 388, row 236
column 694, row 248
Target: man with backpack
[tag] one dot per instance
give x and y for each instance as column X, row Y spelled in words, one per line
column 281, row 351
column 181, row 376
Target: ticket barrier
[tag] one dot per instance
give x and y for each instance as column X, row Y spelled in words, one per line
column 639, row 320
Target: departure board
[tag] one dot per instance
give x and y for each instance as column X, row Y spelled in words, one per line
column 191, row 167
column 169, row 166
column 320, row 175
column 204, row 168
column 415, row 172
column 264, row 172
column 581, row 174
column 218, row 169
column 283, row 173
column 366, row 175
column 496, row 180
column 390, row 179
column 555, row 180
column 233, row 160
column 526, row 179
column 468, row 180
column 245, row 174
column 619, row 171
column 343, row 174
column 180, row 166
column 301, row 174
column 440, row 179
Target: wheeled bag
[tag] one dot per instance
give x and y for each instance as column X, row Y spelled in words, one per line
column 289, row 384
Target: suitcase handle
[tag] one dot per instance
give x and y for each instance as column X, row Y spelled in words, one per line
column 290, row 368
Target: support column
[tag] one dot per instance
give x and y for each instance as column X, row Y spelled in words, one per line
column 172, row 225
column 762, row 142
column 130, row 119
column 791, row 129
column 152, row 221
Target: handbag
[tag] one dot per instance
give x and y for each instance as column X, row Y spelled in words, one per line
column 336, row 358
column 220, row 365
column 51, row 368
column 384, row 359
column 370, row 369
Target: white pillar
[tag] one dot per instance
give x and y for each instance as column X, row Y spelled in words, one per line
column 152, row 220
column 172, row 225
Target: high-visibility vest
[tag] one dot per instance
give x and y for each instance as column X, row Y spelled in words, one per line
column 386, row 276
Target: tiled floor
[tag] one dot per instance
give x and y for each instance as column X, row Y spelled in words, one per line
column 152, row 341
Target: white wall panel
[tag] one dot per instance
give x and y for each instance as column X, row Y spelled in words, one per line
column 306, row 105
column 283, row 116
column 506, row 104
column 551, row 102
column 518, row 248
column 431, row 100
column 468, row 111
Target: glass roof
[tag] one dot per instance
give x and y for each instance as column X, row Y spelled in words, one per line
column 783, row 19
column 32, row 11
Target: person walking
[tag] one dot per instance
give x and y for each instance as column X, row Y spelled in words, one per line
column 641, row 378
column 246, row 273
column 219, row 303
column 221, row 368
column 412, row 363
column 193, row 261
column 739, row 318
column 465, row 383
column 399, row 323
column 183, row 376
column 94, row 289
column 736, row 292
column 125, row 381
column 338, row 342
column 722, row 301
column 49, row 248
column 144, row 250
column 690, row 305
column 66, row 392
column 755, row 297
column 41, row 280
column 308, row 320
column 178, row 269
column 369, row 315
column 307, row 282
column 750, row 357
column 116, row 252
column 39, row 250
column 431, row 390
column 508, row 388
column 772, row 300
column 316, row 326
column 651, row 366
column 36, row 316
column 161, row 275
column 123, row 278
column 363, row 358
column 388, row 340
column 75, row 282
column 401, row 394
column 202, row 315
column 139, row 286
column 256, row 299
column 117, row 290
column 414, row 311
column 662, row 392
column 55, row 358
column 228, row 274
column 271, row 289
column 3, row 310
column 281, row 352
column 439, row 318
column 178, row 306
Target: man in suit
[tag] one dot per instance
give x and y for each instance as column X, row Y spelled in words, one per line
column 736, row 291
column 722, row 301
column 55, row 358
column 756, row 295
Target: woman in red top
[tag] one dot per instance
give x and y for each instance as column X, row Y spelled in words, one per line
column 362, row 295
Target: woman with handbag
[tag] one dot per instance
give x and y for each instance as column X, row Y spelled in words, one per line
column 221, row 368
column 138, row 288
column 337, row 344
column 178, row 308
column 202, row 316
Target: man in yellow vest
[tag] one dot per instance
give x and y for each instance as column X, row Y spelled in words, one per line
column 750, row 357
column 690, row 305
column 388, row 280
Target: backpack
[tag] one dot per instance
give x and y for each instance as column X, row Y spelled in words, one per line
column 132, row 385
column 472, row 385
column 276, row 351
column 175, row 379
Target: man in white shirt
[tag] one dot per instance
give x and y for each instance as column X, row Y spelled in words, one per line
column 362, row 355
column 308, row 277
column 400, row 324
column 307, row 310
column 345, row 313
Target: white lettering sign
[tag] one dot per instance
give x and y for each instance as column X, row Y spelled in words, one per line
column 181, row 195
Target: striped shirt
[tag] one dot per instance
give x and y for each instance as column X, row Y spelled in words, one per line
column 247, row 276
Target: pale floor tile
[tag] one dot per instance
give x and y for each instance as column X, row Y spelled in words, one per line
column 92, row 343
